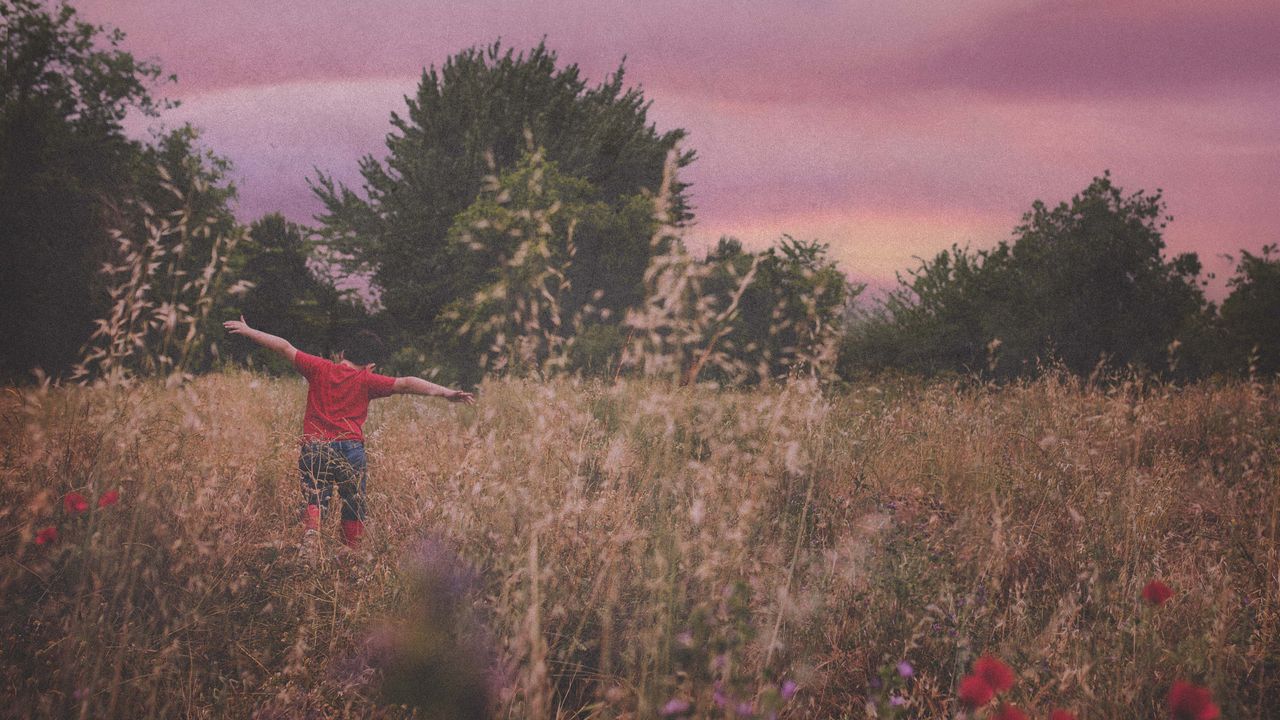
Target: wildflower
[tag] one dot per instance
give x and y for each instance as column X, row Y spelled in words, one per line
column 1190, row 702
column 897, row 700
column 718, row 697
column 1156, row 592
column 789, row 689
column 994, row 672
column 47, row 536
column 109, row 497
column 1061, row 715
column 745, row 709
column 1009, row 712
column 74, row 503
column 975, row 692
column 675, row 706
column 905, row 670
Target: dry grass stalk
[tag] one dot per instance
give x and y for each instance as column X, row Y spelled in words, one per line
column 159, row 310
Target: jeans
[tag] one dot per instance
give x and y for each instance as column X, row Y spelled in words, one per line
column 337, row 462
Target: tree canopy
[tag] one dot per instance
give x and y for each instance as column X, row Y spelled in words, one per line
column 284, row 296
column 790, row 314
column 1083, row 282
column 1251, row 313
column 65, row 163
column 469, row 122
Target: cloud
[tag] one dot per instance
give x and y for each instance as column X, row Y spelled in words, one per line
column 277, row 135
column 1103, row 48
column 886, row 129
column 764, row 51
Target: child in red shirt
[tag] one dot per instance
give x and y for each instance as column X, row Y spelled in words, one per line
column 338, row 395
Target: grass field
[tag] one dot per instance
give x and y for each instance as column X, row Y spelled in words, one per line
column 583, row 550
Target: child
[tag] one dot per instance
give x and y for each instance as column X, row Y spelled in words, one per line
column 338, row 395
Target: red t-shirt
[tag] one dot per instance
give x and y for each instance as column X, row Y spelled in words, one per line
column 338, row 398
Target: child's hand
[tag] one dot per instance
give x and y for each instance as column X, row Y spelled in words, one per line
column 237, row 327
column 460, row 396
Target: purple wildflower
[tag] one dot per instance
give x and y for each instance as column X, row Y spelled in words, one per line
column 905, row 670
column 897, row 700
column 675, row 706
column 789, row 689
column 718, row 697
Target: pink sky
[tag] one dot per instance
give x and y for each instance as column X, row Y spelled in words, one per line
column 887, row 129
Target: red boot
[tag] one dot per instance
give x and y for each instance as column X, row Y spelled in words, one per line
column 311, row 518
column 352, row 531
column 310, row 544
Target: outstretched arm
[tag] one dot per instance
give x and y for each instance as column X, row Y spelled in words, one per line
column 418, row 386
column 267, row 340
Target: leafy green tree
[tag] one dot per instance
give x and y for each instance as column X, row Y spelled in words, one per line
column 943, row 316
column 1090, row 280
column 65, row 87
column 1251, row 313
column 472, row 120
column 790, row 313
column 285, row 297
column 539, row 260
column 1083, row 282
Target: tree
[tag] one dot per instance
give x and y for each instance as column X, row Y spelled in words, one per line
column 1251, row 313
column 472, row 120
column 789, row 315
column 944, row 316
column 1083, row 282
column 537, row 261
column 65, row 87
column 168, row 271
column 285, row 296
column 1090, row 280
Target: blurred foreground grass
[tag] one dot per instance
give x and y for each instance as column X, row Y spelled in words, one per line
column 582, row 550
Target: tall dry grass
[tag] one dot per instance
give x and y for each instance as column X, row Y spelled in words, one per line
column 162, row 288
column 570, row 549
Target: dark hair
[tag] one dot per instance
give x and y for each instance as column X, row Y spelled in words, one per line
column 362, row 347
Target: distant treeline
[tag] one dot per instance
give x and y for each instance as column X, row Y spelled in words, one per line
column 523, row 221
column 1084, row 285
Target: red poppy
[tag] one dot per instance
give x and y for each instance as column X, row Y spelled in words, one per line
column 109, row 497
column 47, row 536
column 74, row 503
column 1156, row 592
column 1008, row 712
column 1189, row 702
column 1061, row 715
column 995, row 673
column 975, row 692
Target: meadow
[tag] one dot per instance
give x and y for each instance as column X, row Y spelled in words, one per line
column 634, row 549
